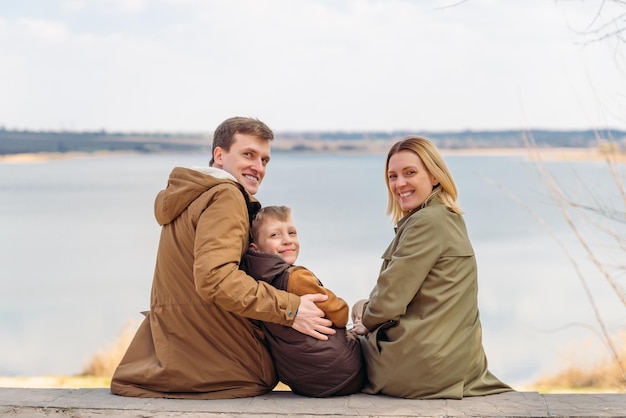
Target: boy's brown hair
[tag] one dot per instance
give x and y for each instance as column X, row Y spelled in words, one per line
column 281, row 213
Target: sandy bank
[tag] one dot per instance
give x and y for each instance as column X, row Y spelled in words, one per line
column 41, row 157
column 546, row 154
column 536, row 154
column 60, row 382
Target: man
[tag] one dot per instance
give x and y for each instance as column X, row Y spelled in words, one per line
column 198, row 340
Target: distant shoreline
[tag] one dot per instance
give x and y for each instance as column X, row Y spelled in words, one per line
column 544, row 154
column 41, row 157
column 535, row 154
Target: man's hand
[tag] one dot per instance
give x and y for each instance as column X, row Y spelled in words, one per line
column 310, row 319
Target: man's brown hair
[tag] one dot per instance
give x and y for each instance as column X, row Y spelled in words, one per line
column 224, row 134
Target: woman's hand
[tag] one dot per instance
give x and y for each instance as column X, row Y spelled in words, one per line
column 310, row 319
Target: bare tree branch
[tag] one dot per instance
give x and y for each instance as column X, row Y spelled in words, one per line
column 560, row 199
column 604, row 331
column 600, row 27
column 451, row 5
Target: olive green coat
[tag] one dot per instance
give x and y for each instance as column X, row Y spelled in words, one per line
column 197, row 340
column 425, row 337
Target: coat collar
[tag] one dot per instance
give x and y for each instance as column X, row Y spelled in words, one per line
column 434, row 200
column 263, row 266
column 215, row 172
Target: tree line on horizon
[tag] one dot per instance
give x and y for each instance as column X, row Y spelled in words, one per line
column 26, row 141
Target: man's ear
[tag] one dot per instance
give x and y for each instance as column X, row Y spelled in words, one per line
column 217, row 157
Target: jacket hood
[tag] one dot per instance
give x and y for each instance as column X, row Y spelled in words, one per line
column 185, row 185
column 263, row 266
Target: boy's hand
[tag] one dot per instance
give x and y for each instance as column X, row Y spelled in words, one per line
column 358, row 329
column 357, row 311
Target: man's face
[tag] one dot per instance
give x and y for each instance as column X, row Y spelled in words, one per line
column 246, row 160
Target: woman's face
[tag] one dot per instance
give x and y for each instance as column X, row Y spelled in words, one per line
column 409, row 181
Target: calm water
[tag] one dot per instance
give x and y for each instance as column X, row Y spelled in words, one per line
column 78, row 241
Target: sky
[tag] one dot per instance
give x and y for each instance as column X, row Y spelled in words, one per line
column 324, row 65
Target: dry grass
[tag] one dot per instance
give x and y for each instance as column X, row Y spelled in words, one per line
column 104, row 362
column 579, row 373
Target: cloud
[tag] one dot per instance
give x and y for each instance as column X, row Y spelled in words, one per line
column 310, row 64
column 115, row 6
column 40, row 30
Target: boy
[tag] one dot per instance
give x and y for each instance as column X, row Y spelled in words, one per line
column 308, row 366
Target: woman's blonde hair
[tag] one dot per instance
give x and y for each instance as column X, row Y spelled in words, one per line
column 434, row 163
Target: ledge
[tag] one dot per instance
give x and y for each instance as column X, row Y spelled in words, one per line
column 100, row 402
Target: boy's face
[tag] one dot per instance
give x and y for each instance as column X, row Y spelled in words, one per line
column 280, row 238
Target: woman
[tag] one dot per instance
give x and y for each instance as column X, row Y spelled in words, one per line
column 419, row 330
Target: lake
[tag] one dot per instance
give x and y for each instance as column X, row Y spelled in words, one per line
column 78, row 245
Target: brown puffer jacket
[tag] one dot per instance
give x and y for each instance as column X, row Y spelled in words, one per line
column 310, row 367
column 197, row 340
